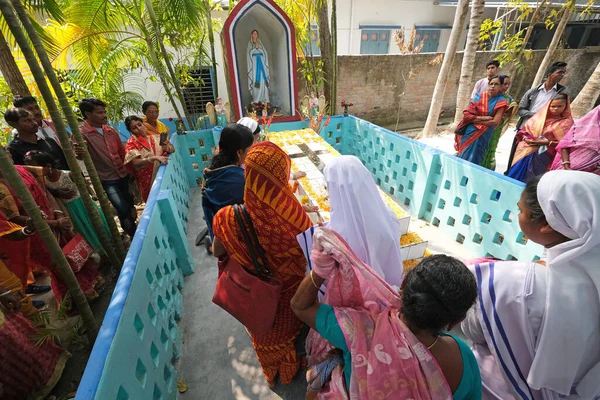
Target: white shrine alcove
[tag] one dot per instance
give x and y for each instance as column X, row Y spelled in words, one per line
column 276, row 32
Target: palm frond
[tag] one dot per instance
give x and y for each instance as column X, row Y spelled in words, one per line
column 46, row 7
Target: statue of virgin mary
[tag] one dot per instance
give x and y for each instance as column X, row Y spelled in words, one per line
column 258, row 69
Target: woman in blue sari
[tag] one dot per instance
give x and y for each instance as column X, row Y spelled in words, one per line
column 224, row 179
column 481, row 118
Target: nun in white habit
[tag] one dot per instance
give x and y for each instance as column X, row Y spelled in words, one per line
column 536, row 329
column 360, row 216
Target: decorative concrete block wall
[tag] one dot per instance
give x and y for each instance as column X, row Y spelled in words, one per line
column 139, row 338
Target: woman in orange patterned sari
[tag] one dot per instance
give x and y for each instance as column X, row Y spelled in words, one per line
column 277, row 217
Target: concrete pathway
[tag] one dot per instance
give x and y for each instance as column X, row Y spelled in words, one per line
column 446, row 144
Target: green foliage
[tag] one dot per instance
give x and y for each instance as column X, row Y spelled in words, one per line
column 51, row 330
column 489, row 28
column 514, row 42
column 6, row 99
column 303, row 16
column 106, row 46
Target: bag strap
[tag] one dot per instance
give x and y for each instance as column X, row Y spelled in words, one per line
column 259, row 248
column 249, row 245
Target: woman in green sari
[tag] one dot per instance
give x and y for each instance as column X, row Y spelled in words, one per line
column 489, row 160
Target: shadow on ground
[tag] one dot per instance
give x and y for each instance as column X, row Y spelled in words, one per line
column 217, row 358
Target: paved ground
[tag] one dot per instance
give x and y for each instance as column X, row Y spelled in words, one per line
column 446, row 143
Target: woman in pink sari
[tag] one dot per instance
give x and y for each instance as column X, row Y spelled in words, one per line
column 579, row 150
column 392, row 346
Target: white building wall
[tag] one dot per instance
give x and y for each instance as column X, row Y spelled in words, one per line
column 352, row 14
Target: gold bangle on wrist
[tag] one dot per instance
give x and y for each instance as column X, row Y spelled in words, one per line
column 313, row 280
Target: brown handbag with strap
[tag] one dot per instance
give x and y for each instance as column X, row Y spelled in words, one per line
column 251, row 296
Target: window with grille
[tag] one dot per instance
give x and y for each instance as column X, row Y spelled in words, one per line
column 374, row 41
column 200, row 92
column 312, row 47
column 430, row 38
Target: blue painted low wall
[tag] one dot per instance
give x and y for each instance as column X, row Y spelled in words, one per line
column 139, row 337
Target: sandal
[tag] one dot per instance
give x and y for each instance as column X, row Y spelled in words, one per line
column 37, row 289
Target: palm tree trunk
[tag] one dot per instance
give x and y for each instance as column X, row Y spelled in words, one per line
column 325, row 45
column 161, row 75
column 558, row 35
column 211, row 40
column 440, row 86
column 587, row 97
column 165, row 56
column 468, row 62
column 117, row 258
column 334, row 60
column 31, row 208
column 535, row 18
column 10, row 70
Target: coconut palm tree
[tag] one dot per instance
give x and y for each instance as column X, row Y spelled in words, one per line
column 468, row 62
column 556, row 38
column 15, row 28
column 132, row 32
column 587, row 97
column 325, row 44
column 433, row 117
column 334, row 59
column 10, row 70
column 211, row 40
column 61, row 263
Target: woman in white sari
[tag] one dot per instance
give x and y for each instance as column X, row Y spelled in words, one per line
column 259, row 75
column 536, row 329
column 360, row 216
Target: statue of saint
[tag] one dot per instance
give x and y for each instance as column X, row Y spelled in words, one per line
column 258, row 69
column 220, row 110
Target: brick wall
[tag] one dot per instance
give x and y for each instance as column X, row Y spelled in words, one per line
column 383, row 87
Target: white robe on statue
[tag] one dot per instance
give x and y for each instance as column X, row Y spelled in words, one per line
column 539, row 327
column 259, row 76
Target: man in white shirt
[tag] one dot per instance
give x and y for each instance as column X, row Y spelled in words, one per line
column 481, row 86
column 535, row 98
column 45, row 126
